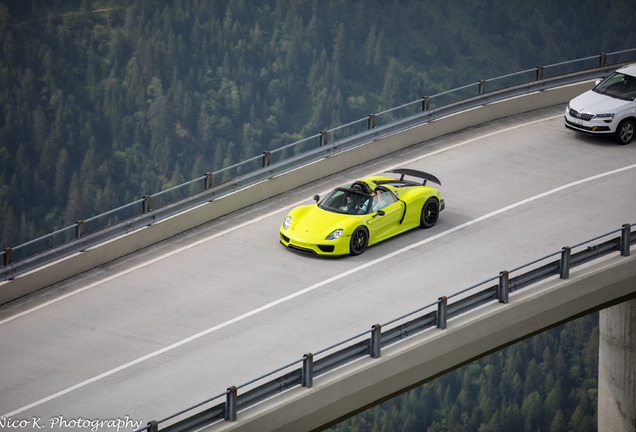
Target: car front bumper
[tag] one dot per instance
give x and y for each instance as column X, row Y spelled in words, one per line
column 339, row 246
column 591, row 127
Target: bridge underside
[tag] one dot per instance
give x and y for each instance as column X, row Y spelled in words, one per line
column 418, row 359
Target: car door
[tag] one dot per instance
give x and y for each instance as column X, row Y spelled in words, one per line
column 386, row 225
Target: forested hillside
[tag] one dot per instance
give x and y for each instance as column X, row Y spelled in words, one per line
column 546, row 383
column 104, row 101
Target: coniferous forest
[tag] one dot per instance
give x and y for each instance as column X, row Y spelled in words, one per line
column 545, row 383
column 103, row 101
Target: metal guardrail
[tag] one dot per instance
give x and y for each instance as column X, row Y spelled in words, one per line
column 153, row 208
column 371, row 342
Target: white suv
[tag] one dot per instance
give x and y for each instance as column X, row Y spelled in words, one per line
column 607, row 109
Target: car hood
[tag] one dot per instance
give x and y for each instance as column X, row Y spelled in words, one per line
column 594, row 103
column 313, row 223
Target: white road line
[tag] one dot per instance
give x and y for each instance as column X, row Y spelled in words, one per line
column 147, row 263
column 258, row 219
column 317, row 285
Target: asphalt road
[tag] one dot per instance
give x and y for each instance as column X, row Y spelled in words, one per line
column 165, row 328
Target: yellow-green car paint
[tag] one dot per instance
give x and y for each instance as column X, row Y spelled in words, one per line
column 308, row 228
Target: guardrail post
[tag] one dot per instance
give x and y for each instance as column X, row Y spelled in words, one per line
column 231, row 404
column 376, row 341
column 152, row 426
column 307, row 377
column 482, row 87
column 207, row 182
column 626, row 239
column 7, row 258
column 371, row 121
column 564, row 263
column 442, row 311
column 266, row 158
column 539, row 72
column 503, row 291
column 426, row 103
column 323, row 138
column 145, row 205
column 602, row 61
column 79, row 229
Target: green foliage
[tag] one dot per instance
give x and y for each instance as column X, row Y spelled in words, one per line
column 105, row 101
column 545, row 383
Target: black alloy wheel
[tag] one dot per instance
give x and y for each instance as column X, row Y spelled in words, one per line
column 430, row 213
column 359, row 241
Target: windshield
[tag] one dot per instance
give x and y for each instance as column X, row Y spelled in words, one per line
column 618, row 85
column 345, row 201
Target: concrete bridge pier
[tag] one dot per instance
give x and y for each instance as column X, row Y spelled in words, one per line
column 617, row 368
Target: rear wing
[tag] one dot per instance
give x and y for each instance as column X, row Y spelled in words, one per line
column 415, row 173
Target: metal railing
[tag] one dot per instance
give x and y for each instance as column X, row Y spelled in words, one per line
column 153, row 208
column 226, row 405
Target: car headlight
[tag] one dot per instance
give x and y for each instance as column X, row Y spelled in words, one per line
column 287, row 222
column 608, row 116
column 334, row 235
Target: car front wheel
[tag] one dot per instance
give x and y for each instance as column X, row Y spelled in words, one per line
column 430, row 213
column 624, row 132
column 359, row 241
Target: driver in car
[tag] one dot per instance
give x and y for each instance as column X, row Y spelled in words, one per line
column 349, row 206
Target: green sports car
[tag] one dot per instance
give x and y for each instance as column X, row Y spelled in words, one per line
column 356, row 215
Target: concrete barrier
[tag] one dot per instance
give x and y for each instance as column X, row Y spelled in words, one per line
column 421, row 358
column 144, row 237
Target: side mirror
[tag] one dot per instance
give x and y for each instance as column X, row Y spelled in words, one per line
column 379, row 213
column 316, row 198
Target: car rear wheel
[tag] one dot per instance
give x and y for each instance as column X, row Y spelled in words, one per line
column 624, row 132
column 430, row 213
column 359, row 241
